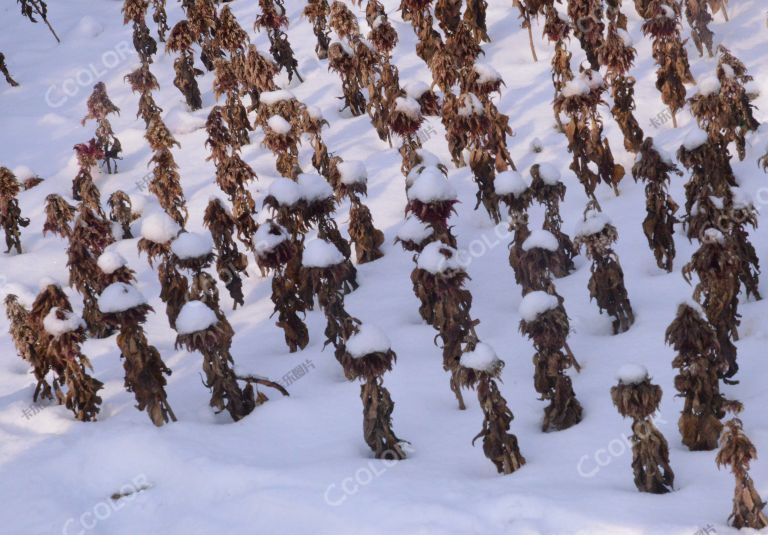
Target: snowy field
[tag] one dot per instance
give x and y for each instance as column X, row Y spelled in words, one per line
column 299, row 464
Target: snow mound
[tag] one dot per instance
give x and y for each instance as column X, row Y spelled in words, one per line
column 594, row 79
column 314, row 113
column 409, row 107
column 368, row 339
column 285, row 191
column 195, row 316
column 273, row 97
column 482, row 359
column 471, row 105
column 428, row 159
column 44, row 282
column 182, row 122
column 352, row 172
column 541, row 239
column 536, row 303
column 412, row 229
column 667, row 11
column 712, row 235
column 192, row 245
column 594, row 223
column 138, row 202
column 509, row 183
column 110, row 261
column 632, row 374
column 431, row 186
column 314, row 187
column 159, row 227
column 265, row 241
column 56, row 327
column 486, row 73
column 437, row 257
column 119, row 297
column 550, row 175
column 321, row 254
column 278, row 125
column 708, row 86
column 22, row 172
column 415, row 90
column 695, row 138
column 695, row 306
column 575, row 87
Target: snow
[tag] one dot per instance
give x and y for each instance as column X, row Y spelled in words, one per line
column 632, row 374
column 44, row 282
column 314, row 113
column 195, row 316
column 428, row 159
column 667, row 11
column 22, row 172
column 741, row 199
column 207, row 474
column 285, row 191
column 509, row 183
column 482, row 359
column 159, row 227
column 595, row 222
column 352, row 172
column 712, row 235
column 664, row 154
column 536, row 303
column 549, row 174
column 321, row 254
column 412, row 229
column 409, row 107
column 192, row 245
column 695, row 138
column 708, row 86
column 594, row 80
column 415, row 90
column 536, row 145
column 279, row 125
column 486, row 73
column 119, row 297
column 88, row 27
column 575, row 87
column 273, row 97
column 431, row 186
column 138, row 203
column 628, row 41
column 369, row 339
column 265, row 242
column 695, row 306
column 56, row 327
column 345, row 46
column 541, row 239
column 470, row 105
column 437, row 257
column 110, row 261
column 314, row 187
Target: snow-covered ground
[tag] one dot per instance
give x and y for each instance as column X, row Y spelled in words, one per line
column 299, row 464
